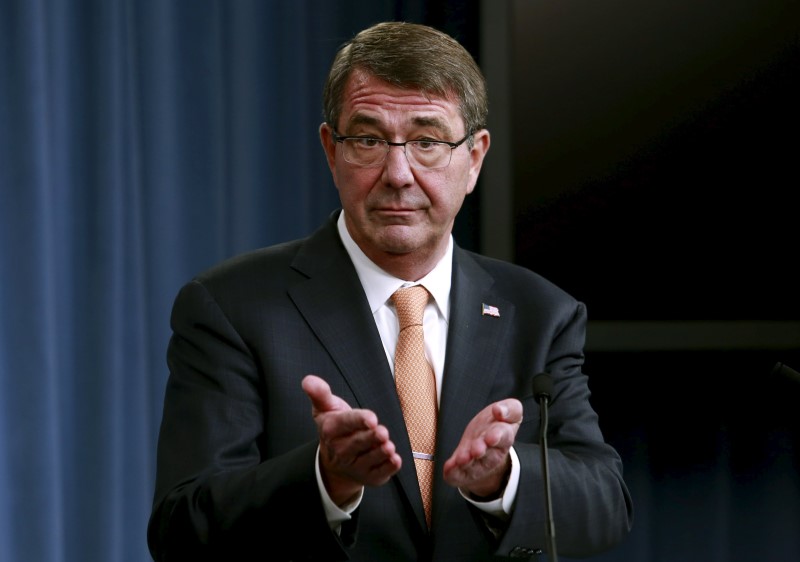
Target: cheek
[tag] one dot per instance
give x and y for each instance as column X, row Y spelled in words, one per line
column 450, row 191
column 353, row 183
column 342, row 176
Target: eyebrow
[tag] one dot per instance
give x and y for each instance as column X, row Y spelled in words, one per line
column 434, row 122
column 361, row 119
column 421, row 121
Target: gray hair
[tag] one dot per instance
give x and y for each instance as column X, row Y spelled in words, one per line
column 411, row 56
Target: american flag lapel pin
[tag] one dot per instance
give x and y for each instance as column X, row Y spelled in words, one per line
column 489, row 310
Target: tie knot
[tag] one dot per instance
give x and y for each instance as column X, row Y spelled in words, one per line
column 410, row 303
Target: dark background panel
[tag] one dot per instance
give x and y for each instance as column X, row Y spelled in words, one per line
column 710, row 443
column 656, row 156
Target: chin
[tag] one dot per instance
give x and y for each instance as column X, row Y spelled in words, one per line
column 397, row 248
column 393, row 244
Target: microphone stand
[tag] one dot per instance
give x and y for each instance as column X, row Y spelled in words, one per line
column 543, row 384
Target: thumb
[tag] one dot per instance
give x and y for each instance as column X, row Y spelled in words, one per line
column 322, row 399
column 509, row 411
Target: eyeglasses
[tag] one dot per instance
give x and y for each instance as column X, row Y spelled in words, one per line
column 370, row 152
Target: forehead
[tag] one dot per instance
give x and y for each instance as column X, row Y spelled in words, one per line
column 370, row 100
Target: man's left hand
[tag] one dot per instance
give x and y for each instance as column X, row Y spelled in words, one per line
column 481, row 462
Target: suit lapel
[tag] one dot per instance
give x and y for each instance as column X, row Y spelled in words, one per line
column 335, row 307
column 473, row 344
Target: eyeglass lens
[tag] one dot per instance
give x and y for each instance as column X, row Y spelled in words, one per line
column 373, row 152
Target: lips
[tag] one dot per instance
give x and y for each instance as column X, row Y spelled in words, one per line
column 396, row 210
column 400, row 206
column 409, row 204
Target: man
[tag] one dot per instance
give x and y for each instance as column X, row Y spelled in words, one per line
column 283, row 436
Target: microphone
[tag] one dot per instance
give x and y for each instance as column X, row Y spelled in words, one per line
column 542, row 385
column 785, row 376
column 784, row 395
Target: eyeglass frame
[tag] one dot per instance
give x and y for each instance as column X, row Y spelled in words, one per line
column 453, row 145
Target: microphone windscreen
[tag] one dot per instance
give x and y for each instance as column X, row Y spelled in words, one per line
column 785, row 375
column 542, row 385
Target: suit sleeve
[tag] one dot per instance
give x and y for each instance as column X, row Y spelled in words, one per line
column 592, row 508
column 216, row 496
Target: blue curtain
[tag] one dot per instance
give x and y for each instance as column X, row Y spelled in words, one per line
column 140, row 142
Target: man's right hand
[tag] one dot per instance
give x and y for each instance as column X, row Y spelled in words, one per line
column 355, row 450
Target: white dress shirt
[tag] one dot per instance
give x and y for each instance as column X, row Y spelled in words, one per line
column 379, row 287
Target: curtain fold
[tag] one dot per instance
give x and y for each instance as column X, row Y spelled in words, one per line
column 141, row 141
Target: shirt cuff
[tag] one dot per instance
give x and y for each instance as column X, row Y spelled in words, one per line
column 502, row 506
column 336, row 515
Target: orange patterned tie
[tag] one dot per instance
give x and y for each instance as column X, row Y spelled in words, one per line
column 416, row 386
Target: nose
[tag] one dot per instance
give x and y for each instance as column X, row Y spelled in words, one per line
column 396, row 169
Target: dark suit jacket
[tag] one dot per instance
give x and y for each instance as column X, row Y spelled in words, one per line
column 235, row 478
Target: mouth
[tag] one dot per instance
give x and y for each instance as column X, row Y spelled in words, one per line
column 400, row 210
column 399, row 207
column 396, row 210
column 395, row 216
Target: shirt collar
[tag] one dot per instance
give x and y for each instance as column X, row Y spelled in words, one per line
column 379, row 285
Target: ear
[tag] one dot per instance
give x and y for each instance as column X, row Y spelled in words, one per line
column 480, row 146
column 329, row 146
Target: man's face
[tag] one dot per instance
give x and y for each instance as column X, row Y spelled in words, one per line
column 395, row 209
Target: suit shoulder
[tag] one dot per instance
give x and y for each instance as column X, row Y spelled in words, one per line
column 253, row 261
column 259, row 271
column 518, row 280
column 279, row 261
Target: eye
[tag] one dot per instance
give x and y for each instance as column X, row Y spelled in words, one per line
column 367, row 142
column 425, row 145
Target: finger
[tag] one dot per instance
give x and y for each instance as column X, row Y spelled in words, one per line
column 382, row 462
column 509, row 411
column 456, row 474
column 355, row 425
column 500, row 436
column 322, row 399
column 460, row 456
column 317, row 390
column 365, row 457
column 382, row 435
column 374, row 458
column 380, row 473
column 477, row 448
